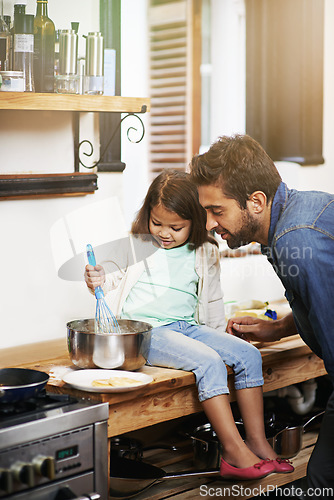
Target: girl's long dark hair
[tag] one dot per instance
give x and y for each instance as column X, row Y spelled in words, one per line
column 177, row 193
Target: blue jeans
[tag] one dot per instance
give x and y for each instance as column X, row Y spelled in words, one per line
column 204, row 351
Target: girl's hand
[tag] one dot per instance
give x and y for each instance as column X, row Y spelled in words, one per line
column 94, row 276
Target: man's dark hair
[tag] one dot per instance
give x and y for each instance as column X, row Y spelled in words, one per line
column 239, row 166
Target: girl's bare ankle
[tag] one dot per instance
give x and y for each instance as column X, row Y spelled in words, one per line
column 261, row 448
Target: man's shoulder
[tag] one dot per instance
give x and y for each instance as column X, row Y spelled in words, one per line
column 307, row 209
column 316, row 198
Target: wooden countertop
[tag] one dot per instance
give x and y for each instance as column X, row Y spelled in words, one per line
column 52, row 357
column 172, row 393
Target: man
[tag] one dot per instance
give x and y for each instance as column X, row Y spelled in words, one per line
column 246, row 200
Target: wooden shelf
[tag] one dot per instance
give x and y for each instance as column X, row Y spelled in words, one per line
column 26, row 186
column 69, row 102
column 46, row 185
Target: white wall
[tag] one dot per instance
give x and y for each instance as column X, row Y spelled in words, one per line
column 228, row 58
column 35, row 304
column 134, row 84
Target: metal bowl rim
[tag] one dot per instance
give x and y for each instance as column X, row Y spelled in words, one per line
column 147, row 329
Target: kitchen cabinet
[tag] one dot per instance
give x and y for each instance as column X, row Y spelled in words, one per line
column 18, row 186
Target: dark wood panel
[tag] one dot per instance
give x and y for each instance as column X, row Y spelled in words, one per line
column 284, row 78
column 14, row 186
column 110, row 26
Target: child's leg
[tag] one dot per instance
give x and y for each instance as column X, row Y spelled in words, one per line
column 246, row 362
column 250, row 402
column 235, row 451
column 169, row 348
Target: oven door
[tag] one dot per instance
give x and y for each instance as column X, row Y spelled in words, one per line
column 77, row 488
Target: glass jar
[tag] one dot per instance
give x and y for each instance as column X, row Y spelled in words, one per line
column 12, row 81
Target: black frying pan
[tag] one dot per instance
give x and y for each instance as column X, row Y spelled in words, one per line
column 130, row 477
column 18, row 384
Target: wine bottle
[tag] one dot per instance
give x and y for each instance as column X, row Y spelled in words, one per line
column 44, row 51
column 4, row 42
column 24, row 48
column 19, row 13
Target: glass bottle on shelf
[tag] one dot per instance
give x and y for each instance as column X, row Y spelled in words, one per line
column 4, row 42
column 44, row 51
column 19, row 10
column 7, row 21
column 23, row 48
column 56, row 62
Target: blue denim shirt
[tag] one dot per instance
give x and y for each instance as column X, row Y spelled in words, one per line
column 301, row 250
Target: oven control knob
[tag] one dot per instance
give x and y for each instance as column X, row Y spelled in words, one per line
column 45, row 466
column 24, row 473
column 6, row 480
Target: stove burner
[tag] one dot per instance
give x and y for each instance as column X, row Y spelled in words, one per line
column 15, row 408
column 41, row 402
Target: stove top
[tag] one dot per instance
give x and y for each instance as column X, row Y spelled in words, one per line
column 42, row 402
column 34, row 408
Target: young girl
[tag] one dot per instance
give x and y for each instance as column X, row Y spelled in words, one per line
column 178, row 292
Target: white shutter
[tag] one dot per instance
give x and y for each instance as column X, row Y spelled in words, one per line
column 174, row 31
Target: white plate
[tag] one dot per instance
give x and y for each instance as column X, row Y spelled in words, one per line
column 82, row 379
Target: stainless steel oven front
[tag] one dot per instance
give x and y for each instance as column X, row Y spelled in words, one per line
column 55, row 453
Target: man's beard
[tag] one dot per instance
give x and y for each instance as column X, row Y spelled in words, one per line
column 246, row 234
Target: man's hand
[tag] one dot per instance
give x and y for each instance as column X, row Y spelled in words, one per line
column 250, row 328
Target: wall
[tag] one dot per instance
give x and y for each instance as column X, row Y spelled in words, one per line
column 134, row 83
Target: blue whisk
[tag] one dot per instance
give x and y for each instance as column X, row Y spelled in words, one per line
column 105, row 321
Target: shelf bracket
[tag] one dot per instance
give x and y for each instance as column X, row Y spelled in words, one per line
column 76, row 129
column 78, row 143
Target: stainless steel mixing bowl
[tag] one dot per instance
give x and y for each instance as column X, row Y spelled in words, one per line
column 127, row 350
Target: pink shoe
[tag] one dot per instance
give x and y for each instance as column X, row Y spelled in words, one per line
column 283, row 465
column 258, row 470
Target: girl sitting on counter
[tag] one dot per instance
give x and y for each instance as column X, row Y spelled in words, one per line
column 178, row 292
